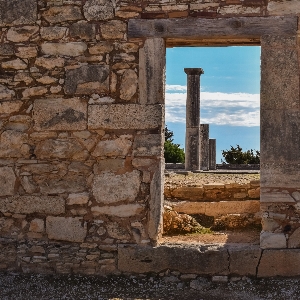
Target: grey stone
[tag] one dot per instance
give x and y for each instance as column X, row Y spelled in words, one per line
column 244, row 261
column 270, row 240
column 7, row 181
column 120, row 116
column 285, row 262
column 156, row 203
column 128, row 85
column 276, row 197
column 87, row 80
column 60, row 114
column 212, row 154
column 148, row 145
column 110, row 188
column 192, row 149
column 65, row 49
column 122, row 211
column 6, row 93
column 190, row 259
column 58, row 14
column 294, row 239
column 296, row 196
column 152, row 79
column 17, row 12
column 204, row 148
column 66, row 229
column 283, row 7
column 83, row 31
column 33, row 204
column 7, row 50
column 98, row 10
column 115, row 148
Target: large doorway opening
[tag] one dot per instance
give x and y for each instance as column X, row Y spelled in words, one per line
column 224, row 202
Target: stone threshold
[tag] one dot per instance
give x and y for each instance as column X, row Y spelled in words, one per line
column 210, row 260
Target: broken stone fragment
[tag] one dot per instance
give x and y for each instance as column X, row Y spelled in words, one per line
column 7, row 181
column 16, row 64
column 6, row 93
column 22, row 34
column 53, row 33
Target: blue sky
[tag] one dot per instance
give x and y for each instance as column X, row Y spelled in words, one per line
column 229, row 96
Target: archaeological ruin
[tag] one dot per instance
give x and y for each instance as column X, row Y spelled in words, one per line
column 82, row 133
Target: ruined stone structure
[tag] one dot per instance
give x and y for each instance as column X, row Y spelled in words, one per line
column 81, row 140
column 204, row 147
column 212, row 154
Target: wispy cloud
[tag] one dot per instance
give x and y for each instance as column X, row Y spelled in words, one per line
column 236, row 109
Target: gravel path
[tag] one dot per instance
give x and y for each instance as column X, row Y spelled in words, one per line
column 33, row 287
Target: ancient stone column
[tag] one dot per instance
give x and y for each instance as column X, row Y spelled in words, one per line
column 192, row 134
column 204, row 147
column 212, row 154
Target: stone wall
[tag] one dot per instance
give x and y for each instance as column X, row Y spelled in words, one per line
column 82, row 120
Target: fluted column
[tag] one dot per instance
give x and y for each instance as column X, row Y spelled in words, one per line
column 192, row 134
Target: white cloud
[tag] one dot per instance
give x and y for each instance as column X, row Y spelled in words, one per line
column 236, row 109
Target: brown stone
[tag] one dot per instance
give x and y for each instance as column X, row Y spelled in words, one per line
column 50, row 63
column 7, row 181
column 16, row 64
column 64, row 49
column 53, row 33
column 114, row 29
column 58, row 14
column 6, row 93
column 122, row 211
column 128, row 85
column 22, row 34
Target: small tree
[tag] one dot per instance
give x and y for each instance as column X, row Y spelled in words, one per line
column 236, row 156
column 173, row 153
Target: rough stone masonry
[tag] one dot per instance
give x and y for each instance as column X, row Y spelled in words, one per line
column 82, row 120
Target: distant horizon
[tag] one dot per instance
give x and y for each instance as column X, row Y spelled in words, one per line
column 229, row 97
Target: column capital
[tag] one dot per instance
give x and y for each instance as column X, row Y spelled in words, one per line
column 193, row 71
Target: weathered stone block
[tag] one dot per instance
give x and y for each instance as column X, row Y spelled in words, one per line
column 64, row 49
column 33, row 204
column 58, row 14
column 22, row 34
column 151, row 80
column 34, row 91
column 114, row 29
column 116, row 231
column 7, row 181
column 17, row 12
column 218, row 208
column 148, row 145
column 14, row 144
column 26, row 52
column 6, row 93
column 122, row 211
column 111, row 188
column 67, row 184
column 37, row 225
column 276, row 197
column 142, row 259
column 294, row 239
column 128, row 85
column 285, row 262
column 6, row 50
column 53, row 33
column 87, row 80
column 115, row 148
column 66, row 229
column 269, row 240
column 244, row 262
column 58, row 148
column 60, row 114
column 119, row 116
column 98, row 10
column 16, row 64
column 78, row 199
column 110, row 164
column 83, row 31
column 50, row 63
column 283, row 7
